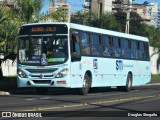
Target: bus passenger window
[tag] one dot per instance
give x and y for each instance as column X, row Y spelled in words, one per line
column 126, row 52
column 141, row 50
column 116, row 47
column 107, row 46
column 77, row 45
column 85, row 49
column 134, row 49
column 96, row 45
column 146, row 51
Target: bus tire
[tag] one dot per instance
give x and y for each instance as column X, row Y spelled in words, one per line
column 86, row 85
column 128, row 86
column 42, row 91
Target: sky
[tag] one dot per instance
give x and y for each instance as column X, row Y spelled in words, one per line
column 76, row 5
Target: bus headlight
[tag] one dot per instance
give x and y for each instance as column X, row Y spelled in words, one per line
column 62, row 73
column 21, row 74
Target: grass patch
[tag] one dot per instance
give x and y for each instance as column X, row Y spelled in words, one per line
column 155, row 78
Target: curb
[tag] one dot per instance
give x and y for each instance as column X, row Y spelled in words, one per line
column 152, row 84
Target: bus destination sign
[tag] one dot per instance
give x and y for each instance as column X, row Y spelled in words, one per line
column 43, row 29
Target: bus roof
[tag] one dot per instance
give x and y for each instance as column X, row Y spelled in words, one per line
column 94, row 29
column 107, row 32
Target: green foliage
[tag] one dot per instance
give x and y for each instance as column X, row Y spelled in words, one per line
column 155, row 78
column 105, row 21
column 58, row 15
column 10, row 20
column 28, row 8
column 8, row 30
column 84, row 18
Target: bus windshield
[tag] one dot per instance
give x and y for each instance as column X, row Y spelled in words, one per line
column 42, row 49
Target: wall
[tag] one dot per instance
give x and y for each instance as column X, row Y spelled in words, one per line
column 9, row 68
column 155, row 61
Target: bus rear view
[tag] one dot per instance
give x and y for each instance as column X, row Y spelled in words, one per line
column 42, row 56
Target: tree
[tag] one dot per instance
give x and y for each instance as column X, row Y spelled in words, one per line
column 3, row 17
column 9, row 27
column 10, row 21
column 137, row 27
column 58, row 15
column 104, row 21
column 28, row 8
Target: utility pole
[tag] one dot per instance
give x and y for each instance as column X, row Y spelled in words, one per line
column 64, row 12
column 128, row 13
column 128, row 16
column 90, row 7
column 127, row 22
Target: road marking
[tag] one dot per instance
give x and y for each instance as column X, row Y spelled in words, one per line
column 31, row 99
column 43, row 98
column 93, row 103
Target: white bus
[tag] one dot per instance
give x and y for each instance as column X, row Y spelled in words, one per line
column 68, row 55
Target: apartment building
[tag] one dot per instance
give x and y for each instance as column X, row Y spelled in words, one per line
column 148, row 13
column 98, row 6
column 8, row 2
column 153, row 13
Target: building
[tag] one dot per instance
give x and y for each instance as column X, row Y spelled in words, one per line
column 87, row 5
column 9, row 3
column 120, row 5
column 61, row 4
column 153, row 13
column 98, row 6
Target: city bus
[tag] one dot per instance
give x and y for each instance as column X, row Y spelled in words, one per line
column 79, row 57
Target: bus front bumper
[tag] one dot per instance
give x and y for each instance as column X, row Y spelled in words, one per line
column 43, row 82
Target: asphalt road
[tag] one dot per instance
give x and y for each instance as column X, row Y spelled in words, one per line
column 141, row 101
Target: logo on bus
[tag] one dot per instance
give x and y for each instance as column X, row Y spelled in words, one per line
column 44, row 61
column 95, row 63
column 119, row 65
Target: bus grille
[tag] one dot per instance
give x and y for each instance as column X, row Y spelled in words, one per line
column 41, row 70
column 39, row 76
column 42, row 81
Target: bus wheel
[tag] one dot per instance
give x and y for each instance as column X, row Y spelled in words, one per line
column 128, row 83
column 86, row 85
column 42, row 91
